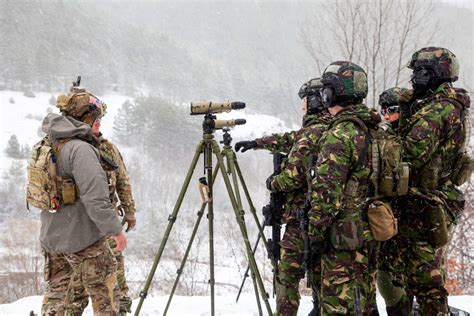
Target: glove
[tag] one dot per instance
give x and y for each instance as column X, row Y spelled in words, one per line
column 245, row 145
column 269, row 183
column 130, row 219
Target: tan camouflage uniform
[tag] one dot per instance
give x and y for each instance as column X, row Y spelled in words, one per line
column 121, row 197
column 93, row 267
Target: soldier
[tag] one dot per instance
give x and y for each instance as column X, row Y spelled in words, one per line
column 120, row 193
column 74, row 237
column 390, row 273
column 434, row 137
column 338, row 226
column 292, row 180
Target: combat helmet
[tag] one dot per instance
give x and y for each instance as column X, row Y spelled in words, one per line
column 344, row 83
column 395, row 96
column 81, row 105
column 312, row 91
column 440, row 61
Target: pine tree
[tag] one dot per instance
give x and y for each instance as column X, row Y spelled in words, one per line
column 13, row 148
column 123, row 123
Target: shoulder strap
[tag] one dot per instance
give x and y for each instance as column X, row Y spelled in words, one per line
column 368, row 137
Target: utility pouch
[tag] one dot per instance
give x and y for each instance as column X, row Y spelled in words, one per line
column 382, row 222
column 347, row 232
column 68, row 191
column 430, row 174
column 386, row 186
column 463, row 168
column 403, row 178
column 437, row 225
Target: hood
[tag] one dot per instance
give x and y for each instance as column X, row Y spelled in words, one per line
column 446, row 90
column 369, row 116
column 59, row 127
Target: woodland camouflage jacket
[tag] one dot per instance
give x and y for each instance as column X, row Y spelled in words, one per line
column 298, row 145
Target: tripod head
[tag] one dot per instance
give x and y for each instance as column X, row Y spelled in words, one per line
column 211, row 123
column 226, row 138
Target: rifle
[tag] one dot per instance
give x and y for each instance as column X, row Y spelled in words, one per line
column 304, row 222
column 272, row 213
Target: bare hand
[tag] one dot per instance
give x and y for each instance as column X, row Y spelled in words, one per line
column 121, row 241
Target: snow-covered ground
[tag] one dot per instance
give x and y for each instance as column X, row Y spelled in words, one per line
column 201, row 305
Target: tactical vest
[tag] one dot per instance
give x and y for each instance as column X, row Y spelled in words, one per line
column 45, row 189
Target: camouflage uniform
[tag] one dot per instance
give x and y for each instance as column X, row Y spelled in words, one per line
column 390, row 264
column 73, row 238
column 292, row 180
column 121, row 197
column 433, row 132
column 95, row 267
column 436, row 128
column 349, row 264
column 338, row 225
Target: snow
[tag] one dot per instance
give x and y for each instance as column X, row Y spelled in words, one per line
column 201, row 305
column 24, row 117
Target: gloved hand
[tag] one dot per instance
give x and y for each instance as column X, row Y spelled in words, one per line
column 130, row 219
column 269, row 183
column 245, row 145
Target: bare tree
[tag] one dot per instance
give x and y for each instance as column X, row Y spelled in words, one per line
column 378, row 35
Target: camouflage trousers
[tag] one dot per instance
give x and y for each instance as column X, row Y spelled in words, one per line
column 348, row 281
column 291, row 272
column 422, row 275
column 78, row 298
column 414, row 266
column 95, row 266
column 390, row 279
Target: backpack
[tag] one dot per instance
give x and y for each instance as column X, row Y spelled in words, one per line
column 389, row 178
column 390, row 174
column 45, row 189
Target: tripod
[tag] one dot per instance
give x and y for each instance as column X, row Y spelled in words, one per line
column 208, row 146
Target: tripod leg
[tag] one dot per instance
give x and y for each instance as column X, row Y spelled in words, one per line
column 188, row 248
column 210, row 217
column 252, row 207
column 255, row 216
column 229, row 154
column 243, row 229
column 171, row 219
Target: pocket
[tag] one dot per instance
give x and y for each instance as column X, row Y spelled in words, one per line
column 347, row 233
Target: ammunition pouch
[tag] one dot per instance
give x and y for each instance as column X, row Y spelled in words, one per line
column 430, row 175
column 463, row 168
column 436, row 224
column 347, row 232
column 68, row 191
column 382, row 222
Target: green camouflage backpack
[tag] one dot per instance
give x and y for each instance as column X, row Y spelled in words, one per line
column 45, row 189
column 389, row 178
